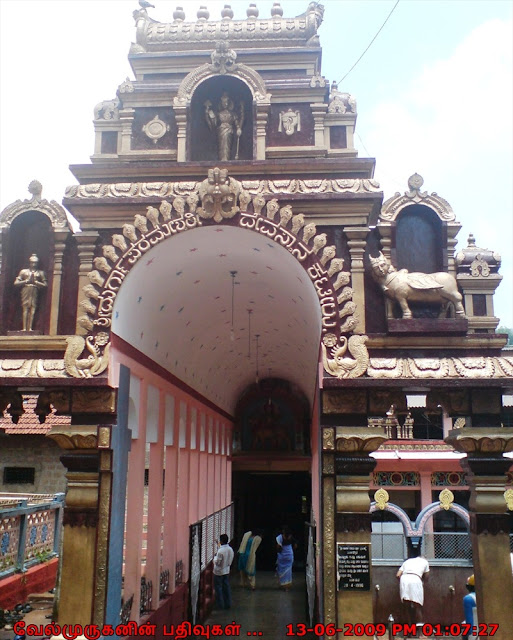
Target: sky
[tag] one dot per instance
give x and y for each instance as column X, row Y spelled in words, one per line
column 434, row 94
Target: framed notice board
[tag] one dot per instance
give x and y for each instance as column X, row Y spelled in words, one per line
column 353, row 566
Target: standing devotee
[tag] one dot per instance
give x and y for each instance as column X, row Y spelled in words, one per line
column 285, row 545
column 222, row 563
column 412, row 575
column 247, row 559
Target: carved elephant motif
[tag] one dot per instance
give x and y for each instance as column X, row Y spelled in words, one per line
column 107, row 110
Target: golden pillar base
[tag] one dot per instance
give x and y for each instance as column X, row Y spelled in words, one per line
column 489, row 522
column 81, row 593
column 350, row 599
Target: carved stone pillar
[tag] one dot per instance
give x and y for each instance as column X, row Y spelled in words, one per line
column 86, row 241
column 262, row 111
column 84, row 560
column 126, row 117
column 60, row 244
column 453, row 229
column 181, row 136
column 357, row 243
column 319, row 111
column 489, row 522
column 347, row 522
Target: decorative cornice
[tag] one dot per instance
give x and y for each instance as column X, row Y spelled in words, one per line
column 153, row 36
column 32, row 368
column 156, row 190
column 359, row 439
column 441, row 368
column 75, row 436
column 481, row 441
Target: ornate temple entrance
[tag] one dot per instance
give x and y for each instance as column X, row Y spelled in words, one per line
column 236, row 318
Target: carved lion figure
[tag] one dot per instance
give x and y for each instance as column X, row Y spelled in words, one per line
column 403, row 286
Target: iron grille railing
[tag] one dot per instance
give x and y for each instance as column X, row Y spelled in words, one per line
column 29, row 532
column 440, row 547
column 164, row 584
column 389, row 546
column 126, row 610
column 146, row 603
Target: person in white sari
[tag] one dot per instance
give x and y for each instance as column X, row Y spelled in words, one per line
column 247, row 559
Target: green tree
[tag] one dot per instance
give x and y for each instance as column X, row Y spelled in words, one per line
column 508, row 331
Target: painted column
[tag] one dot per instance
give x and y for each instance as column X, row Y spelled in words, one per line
column 489, row 521
column 426, row 500
column 203, row 466
column 194, row 488
column 210, row 464
column 171, row 488
column 86, row 241
column 352, row 520
column 357, row 243
column 183, row 488
column 155, row 482
column 135, row 510
column 60, row 244
column 80, row 523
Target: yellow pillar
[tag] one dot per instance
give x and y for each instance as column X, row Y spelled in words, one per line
column 489, row 522
column 350, row 551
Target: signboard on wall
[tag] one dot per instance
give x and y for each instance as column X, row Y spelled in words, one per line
column 353, row 566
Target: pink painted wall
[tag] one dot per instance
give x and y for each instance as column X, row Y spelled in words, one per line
column 185, row 444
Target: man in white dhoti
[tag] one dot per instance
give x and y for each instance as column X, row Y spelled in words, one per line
column 412, row 575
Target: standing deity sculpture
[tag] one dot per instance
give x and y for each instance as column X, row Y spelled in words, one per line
column 227, row 123
column 30, row 280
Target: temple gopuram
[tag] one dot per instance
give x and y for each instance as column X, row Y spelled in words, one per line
column 243, row 333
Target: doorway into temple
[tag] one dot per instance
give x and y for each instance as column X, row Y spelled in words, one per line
column 267, row 501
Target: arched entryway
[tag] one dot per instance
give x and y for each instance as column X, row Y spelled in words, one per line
column 203, row 322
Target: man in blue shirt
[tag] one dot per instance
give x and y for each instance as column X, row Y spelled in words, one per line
column 469, row 607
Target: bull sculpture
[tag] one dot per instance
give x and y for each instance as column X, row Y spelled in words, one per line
column 403, row 286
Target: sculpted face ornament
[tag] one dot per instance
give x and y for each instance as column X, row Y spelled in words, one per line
column 218, row 195
column 290, row 122
column 402, row 286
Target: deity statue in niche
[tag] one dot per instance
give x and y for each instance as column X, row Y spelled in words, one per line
column 30, row 280
column 227, row 123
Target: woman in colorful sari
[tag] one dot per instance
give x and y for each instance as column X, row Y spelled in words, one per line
column 285, row 545
column 247, row 558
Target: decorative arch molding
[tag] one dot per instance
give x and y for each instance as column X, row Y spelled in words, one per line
column 51, row 209
column 416, row 529
column 393, row 206
column 223, row 63
column 429, row 511
column 217, row 199
column 401, row 515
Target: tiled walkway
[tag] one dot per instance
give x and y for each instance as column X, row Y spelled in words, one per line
column 265, row 612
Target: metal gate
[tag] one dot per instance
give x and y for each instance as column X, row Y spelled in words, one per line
column 310, row 572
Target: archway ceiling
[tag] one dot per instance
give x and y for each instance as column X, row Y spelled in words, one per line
column 175, row 306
